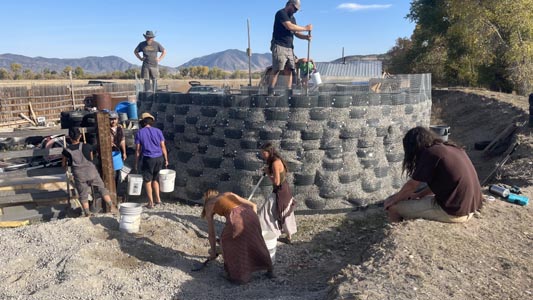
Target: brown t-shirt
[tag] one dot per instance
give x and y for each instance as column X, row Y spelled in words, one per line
column 450, row 174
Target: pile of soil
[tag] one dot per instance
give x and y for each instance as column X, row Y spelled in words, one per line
column 355, row 255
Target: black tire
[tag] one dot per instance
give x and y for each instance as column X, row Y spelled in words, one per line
column 381, row 172
column 233, row 133
column 182, row 110
column 246, row 164
column 358, row 113
column 301, row 101
column 372, row 122
column 212, row 162
column 342, row 101
column 249, row 144
column 217, row 142
column 315, row 203
column 311, row 135
column 238, row 113
column 334, row 153
column 169, row 136
column 368, row 163
column 208, row 112
column 254, row 125
column 169, row 119
column 332, row 164
column 202, row 149
column 184, row 157
column 194, row 172
column 179, row 128
column 370, row 186
column 191, row 120
column 319, row 114
column 290, row 145
column 204, row 130
column 394, row 157
column 350, row 133
column 365, row 153
column 304, row 179
column 224, row 177
column 191, row 138
column 269, row 135
column 365, row 142
column 259, row 101
column 324, row 101
column 298, row 126
column 346, row 178
column 276, row 114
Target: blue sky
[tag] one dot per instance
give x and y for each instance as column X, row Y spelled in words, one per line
column 190, row 29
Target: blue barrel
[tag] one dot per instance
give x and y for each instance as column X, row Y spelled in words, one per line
column 132, row 111
column 117, row 160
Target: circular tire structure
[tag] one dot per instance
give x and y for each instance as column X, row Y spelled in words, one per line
column 341, row 139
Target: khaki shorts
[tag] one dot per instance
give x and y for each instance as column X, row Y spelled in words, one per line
column 281, row 57
column 427, row 208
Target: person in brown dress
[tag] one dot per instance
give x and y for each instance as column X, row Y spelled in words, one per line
column 243, row 247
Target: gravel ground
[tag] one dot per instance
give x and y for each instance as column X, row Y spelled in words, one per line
column 354, row 255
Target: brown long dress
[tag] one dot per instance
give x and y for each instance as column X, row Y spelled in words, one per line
column 244, row 249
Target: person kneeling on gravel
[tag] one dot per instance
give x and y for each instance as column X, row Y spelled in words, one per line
column 80, row 156
column 453, row 192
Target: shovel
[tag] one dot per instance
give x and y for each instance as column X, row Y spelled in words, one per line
column 203, row 265
column 255, row 187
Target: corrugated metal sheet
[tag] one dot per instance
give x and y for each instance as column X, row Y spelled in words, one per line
column 360, row 70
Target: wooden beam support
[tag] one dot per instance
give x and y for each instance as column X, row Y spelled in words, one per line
column 30, row 153
column 106, row 156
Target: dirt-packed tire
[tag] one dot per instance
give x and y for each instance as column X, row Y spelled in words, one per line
column 212, row 162
column 209, row 111
column 348, row 177
column 276, row 114
column 332, row 164
column 184, row 157
column 182, row 110
column 319, row 114
column 247, row 164
column 304, row 179
column 315, row 203
column 301, row 101
column 312, row 134
column 191, row 120
column 179, row 128
column 249, row 144
column 341, row 101
column 217, row 142
column 233, row 133
column 270, row 135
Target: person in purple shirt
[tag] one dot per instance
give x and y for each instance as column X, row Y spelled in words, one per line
column 150, row 143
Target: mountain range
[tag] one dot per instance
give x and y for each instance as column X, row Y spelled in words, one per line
column 229, row 60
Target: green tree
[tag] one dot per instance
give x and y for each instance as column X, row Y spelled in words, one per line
column 79, row 73
column 4, row 74
column 67, row 70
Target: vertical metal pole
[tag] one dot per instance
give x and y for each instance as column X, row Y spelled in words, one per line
column 249, row 52
column 72, row 90
column 307, row 67
column 106, row 156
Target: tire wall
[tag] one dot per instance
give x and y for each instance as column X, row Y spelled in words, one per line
column 342, row 147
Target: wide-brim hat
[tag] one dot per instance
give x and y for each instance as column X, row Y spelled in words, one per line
column 147, row 115
column 149, row 34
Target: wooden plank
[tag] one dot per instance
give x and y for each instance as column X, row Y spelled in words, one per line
column 30, row 153
column 37, row 180
column 34, row 197
column 36, row 132
column 34, row 172
column 510, row 129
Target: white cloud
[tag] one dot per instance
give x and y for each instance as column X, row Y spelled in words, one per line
column 357, row 7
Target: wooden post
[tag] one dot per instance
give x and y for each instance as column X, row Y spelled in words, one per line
column 72, row 90
column 106, row 156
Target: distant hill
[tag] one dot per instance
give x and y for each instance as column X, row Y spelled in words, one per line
column 231, row 60
column 90, row 64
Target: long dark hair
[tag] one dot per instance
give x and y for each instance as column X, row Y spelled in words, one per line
column 416, row 140
column 273, row 156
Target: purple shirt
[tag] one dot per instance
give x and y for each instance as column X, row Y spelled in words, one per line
column 150, row 139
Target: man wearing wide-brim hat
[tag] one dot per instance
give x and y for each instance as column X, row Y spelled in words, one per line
column 150, row 68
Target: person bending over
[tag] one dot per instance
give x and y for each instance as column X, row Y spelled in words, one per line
column 243, row 247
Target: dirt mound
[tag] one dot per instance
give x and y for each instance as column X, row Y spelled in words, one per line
column 341, row 256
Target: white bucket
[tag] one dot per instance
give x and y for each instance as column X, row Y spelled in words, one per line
column 315, row 77
column 130, row 217
column 135, row 184
column 166, row 180
column 271, row 241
